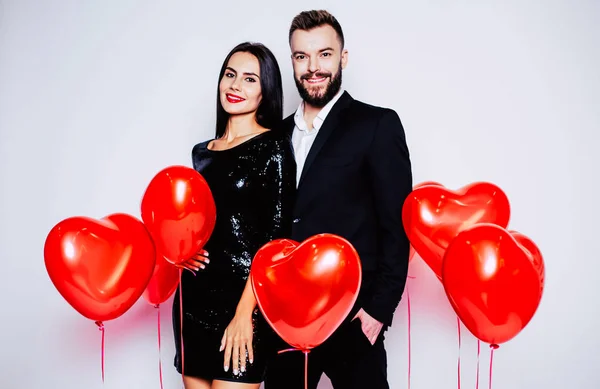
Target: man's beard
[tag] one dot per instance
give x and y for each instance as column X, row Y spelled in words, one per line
column 320, row 99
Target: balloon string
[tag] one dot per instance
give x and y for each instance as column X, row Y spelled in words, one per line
column 493, row 347
column 408, row 325
column 305, row 369
column 181, row 324
column 305, row 362
column 478, row 353
column 101, row 328
column 157, row 306
column 459, row 343
column 288, row 350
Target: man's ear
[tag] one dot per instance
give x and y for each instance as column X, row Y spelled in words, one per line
column 344, row 58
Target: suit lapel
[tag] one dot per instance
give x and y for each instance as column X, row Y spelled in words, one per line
column 289, row 125
column 330, row 123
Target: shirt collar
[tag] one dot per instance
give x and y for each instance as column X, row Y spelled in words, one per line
column 321, row 116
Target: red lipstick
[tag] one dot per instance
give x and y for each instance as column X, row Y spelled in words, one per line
column 234, row 98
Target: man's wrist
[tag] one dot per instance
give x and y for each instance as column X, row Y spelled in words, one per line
column 376, row 313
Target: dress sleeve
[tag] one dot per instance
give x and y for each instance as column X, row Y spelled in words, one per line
column 280, row 190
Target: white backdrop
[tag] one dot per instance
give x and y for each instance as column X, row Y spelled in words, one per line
column 96, row 97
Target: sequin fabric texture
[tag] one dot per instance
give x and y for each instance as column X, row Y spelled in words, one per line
column 253, row 185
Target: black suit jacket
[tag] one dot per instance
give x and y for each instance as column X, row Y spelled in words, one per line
column 353, row 184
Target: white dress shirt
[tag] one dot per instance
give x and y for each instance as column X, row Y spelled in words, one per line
column 304, row 137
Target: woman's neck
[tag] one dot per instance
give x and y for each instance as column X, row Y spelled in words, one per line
column 241, row 125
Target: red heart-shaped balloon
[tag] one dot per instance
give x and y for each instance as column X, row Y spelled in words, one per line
column 101, row 267
column 163, row 283
column 412, row 251
column 179, row 211
column 534, row 254
column 433, row 215
column 305, row 291
column 494, row 280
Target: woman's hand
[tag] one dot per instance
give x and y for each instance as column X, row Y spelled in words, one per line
column 197, row 262
column 237, row 342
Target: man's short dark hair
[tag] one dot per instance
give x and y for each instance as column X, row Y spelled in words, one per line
column 307, row 20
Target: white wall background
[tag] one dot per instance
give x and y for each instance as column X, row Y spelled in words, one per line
column 96, row 97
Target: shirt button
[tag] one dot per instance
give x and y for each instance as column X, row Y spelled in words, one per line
column 297, row 220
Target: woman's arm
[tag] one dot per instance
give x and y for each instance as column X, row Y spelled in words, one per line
column 280, row 189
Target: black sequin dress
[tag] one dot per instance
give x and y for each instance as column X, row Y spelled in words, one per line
column 254, row 186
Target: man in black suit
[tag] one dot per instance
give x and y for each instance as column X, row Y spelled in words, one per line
column 354, row 173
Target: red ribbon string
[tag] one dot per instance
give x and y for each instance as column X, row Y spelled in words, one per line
column 101, row 328
column 408, row 325
column 157, row 306
column 305, row 362
column 181, row 322
column 305, row 369
column 459, row 343
column 478, row 353
column 493, row 347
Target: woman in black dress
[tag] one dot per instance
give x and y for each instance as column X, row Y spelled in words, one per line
column 251, row 172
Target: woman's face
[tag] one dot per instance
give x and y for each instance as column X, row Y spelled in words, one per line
column 239, row 89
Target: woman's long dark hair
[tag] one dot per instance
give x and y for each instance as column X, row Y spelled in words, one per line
column 270, row 109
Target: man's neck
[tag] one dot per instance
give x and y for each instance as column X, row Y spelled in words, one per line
column 310, row 113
